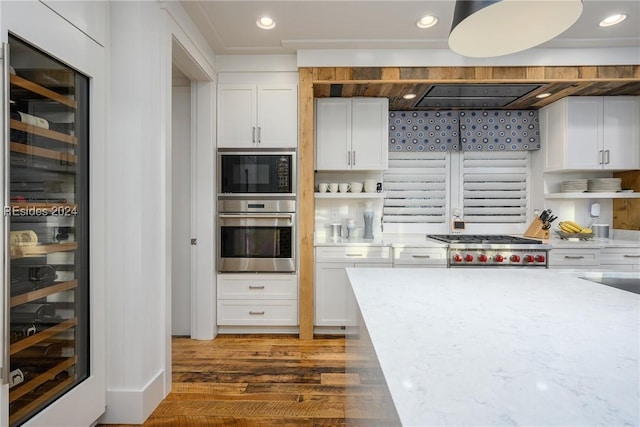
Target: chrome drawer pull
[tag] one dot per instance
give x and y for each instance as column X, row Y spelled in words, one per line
column 354, row 255
column 422, row 256
column 632, row 256
column 256, row 287
column 574, row 257
column 257, row 313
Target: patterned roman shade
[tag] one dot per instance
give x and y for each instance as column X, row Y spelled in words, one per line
column 482, row 130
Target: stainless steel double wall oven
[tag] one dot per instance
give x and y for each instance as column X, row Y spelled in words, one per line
column 256, row 211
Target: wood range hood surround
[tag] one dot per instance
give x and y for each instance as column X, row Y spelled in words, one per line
column 392, row 83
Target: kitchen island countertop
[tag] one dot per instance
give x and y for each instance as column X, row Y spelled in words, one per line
column 502, row 346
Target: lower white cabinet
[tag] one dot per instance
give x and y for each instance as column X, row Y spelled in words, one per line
column 332, row 301
column 620, row 259
column 266, row 299
column 575, row 258
column 417, row 257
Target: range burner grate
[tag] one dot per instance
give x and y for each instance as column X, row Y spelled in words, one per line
column 493, row 239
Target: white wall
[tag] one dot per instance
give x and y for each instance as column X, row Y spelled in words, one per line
column 140, row 201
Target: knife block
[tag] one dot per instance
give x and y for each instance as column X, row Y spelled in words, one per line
column 535, row 230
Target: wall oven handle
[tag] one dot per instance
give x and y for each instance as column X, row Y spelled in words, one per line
column 258, row 216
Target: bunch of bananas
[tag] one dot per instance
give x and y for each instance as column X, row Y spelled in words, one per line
column 572, row 227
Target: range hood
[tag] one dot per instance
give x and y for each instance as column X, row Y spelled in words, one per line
column 474, row 95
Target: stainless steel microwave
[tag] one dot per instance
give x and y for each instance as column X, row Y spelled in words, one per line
column 257, row 173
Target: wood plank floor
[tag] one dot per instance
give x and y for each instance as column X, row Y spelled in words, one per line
column 258, row 380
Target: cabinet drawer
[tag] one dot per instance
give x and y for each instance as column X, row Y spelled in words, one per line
column 621, row 256
column 355, row 254
column 257, row 286
column 574, row 257
column 258, row 312
column 416, row 257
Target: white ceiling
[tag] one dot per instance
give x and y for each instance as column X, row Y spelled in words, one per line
column 230, row 26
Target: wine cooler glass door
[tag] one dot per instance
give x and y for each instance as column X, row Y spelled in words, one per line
column 47, row 215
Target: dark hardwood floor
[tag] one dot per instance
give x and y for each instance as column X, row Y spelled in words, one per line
column 257, row 380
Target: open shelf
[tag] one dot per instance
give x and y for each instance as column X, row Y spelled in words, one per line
column 350, row 195
column 593, row 195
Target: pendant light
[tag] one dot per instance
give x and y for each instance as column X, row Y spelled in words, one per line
column 486, row 28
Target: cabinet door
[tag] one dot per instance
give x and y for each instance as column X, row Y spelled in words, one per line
column 621, row 132
column 330, row 294
column 237, row 126
column 333, row 134
column 277, row 116
column 369, row 133
column 584, row 133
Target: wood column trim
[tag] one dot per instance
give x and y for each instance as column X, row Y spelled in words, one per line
column 306, row 205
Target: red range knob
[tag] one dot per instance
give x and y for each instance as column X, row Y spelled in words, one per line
column 468, row 258
column 540, row 258
column 482, row 258
column 529, row 258
column 515, row 258
column 499, row 258
column 457, row 258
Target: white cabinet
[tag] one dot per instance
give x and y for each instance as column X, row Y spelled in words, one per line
column 417, row 257
column 257, row 116
column 332, row 303
column 352, row 133
column 591, row 133
column 620, row 259
column 268, row 299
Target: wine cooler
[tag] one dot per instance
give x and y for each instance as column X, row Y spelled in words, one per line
column 46, row 215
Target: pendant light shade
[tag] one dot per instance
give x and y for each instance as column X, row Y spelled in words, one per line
column 486, row 28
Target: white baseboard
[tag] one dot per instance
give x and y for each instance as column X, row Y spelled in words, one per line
column 134, row 406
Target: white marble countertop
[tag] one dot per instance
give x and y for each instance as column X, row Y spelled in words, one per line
column 493, row 347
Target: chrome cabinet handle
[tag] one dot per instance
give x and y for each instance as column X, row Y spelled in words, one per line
column 421, row 256
column 632, row 256
column 607, row 156
column 355, row 255
column 354, row 157
column 253, row 135
column 601, row 157
column 259, row 134
column 256, row 313
column 256, row 287
column 349, row 158
column 574, row 256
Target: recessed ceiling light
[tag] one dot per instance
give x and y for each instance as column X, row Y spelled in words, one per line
column 613, row 20
column 409, row 96
column 543, row 95
column 427, row 21
column 265, row 23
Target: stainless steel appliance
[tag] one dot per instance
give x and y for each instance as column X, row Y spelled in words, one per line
column 257, row 173
column 256, row 235
column 472, row 250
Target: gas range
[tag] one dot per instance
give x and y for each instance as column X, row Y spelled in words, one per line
column 493, row 250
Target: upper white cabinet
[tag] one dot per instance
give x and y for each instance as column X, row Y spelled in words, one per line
column 257, row 116
column 591, row 133
column 352, row 133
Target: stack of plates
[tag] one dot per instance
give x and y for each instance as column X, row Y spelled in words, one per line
column 574, row 186
column 604, row 185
